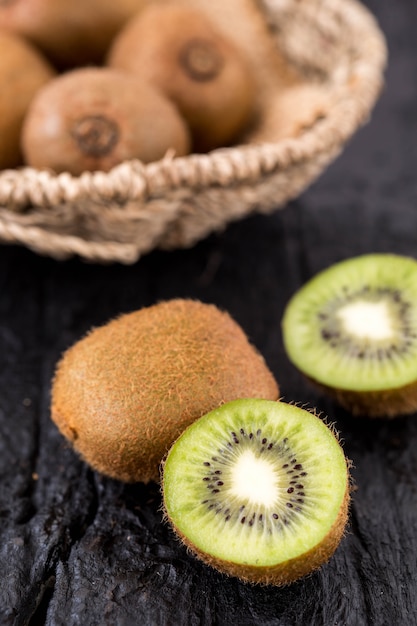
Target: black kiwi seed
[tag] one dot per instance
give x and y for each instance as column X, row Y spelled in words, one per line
column 330, row 327
column 215, row 487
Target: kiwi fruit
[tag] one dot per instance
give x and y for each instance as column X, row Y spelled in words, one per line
column 126, row 391
column 259, row 490
column 179, row 49
column 352, row 330
column 95, row 118
column 23, row 71
column 69, row 33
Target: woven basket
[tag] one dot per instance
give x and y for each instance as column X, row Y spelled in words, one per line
column 120, row 215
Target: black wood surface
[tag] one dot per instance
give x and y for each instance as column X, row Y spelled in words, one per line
column 80, row 549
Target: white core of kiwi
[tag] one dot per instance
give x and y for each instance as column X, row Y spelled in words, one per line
column 368, row 320
column 254, row 479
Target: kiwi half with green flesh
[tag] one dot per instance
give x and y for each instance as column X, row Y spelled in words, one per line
column 352, row 330
column 126, row 391
column 95, row 118
column 180, row 51
column 259, row 490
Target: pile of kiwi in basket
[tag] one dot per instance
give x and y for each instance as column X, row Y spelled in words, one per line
column 87, row 85
column 169, row 81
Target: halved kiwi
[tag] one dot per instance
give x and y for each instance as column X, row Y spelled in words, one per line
column 259, row 490
column 126, row 391
column 352, row 329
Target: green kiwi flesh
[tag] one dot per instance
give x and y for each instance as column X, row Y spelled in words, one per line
column 259, row 490
column 124, row 393
column 352, row 329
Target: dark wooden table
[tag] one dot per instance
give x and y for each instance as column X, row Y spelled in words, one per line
column 80, row 549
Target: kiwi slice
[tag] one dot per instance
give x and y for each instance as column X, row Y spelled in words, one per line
column 259, row 490
column 352, row 329
column 124, row 393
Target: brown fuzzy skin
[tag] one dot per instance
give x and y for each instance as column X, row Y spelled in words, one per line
column 72, row 33
column 217, row 99
column 388, row 403
column 289, row 571
column 23, row 71
column 95, row 118
column 124, row 393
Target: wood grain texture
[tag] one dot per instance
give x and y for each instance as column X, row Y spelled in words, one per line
column 77, row 549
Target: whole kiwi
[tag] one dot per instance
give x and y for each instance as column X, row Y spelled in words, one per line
column 95, row 118
column 125, row 392
column 69, row 33
column 23, row 71
column 205, row 74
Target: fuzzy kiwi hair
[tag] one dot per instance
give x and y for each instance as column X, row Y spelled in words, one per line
column 125, row 392
column 259, row 490
column 352, row 330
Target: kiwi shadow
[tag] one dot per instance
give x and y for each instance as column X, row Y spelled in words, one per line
column 363, row 434
column 188, row 591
